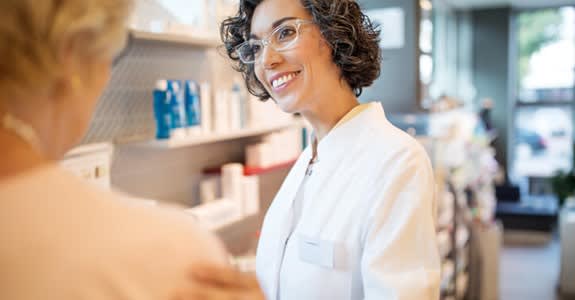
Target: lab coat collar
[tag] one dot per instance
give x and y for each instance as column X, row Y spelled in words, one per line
column 339, row 138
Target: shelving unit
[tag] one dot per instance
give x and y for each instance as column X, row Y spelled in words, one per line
column 169, row 171
column 199, row 41
column 455, row 282
column 202, row 139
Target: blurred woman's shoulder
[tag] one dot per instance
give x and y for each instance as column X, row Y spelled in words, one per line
column 62, row 227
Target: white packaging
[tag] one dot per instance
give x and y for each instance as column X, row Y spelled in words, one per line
column 232, row 179
column 284, row 146
column 251, row 196
column 260, row 155
column 206, row 107
column 268, row 155
column 217, row 113
column 253, row 155
column 209, row 189
column 221, row 112
column 234, row 110
column 216, row 214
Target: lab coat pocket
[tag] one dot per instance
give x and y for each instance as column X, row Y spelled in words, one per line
column 324, row 253
column 328, row 263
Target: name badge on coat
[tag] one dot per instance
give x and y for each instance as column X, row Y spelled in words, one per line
column 317, row 251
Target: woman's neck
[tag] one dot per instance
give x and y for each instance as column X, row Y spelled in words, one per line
column 26, row 135
column 329, row 110
column 17, row 155
column 45, row 124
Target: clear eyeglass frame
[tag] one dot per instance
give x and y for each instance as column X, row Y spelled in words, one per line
column 244, row 50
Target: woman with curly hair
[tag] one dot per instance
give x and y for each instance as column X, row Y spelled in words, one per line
column 354, row 217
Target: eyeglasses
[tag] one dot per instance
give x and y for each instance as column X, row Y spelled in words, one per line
column 281, row 39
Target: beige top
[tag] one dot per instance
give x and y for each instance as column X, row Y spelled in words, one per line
column 61, row 238
column 352, row 113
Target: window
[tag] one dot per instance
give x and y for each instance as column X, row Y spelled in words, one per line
column 542, row 134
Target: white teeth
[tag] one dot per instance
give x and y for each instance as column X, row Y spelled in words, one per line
column 282, row 80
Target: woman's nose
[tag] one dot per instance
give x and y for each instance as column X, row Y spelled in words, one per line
column 270, row 57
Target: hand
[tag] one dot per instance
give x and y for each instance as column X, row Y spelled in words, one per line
column 221, row 283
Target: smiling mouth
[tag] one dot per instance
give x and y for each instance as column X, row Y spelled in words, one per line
column 284, row 80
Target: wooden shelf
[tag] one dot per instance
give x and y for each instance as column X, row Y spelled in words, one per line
column 199, row 41
column 195, row 140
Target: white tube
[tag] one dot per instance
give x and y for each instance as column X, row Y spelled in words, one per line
column 206, row 107
column 232, row 179
column 251, row 197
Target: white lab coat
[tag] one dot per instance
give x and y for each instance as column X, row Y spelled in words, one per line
column 366, row 229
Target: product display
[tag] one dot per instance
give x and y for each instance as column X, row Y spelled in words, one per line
column 185, row 108
column 465, row 169
column 240, row 190
column 277, row 148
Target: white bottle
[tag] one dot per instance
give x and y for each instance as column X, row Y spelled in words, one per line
column 206, row 107
column 209, row 189
column 235, row 108
column 251, row 196
column 221, row 112
column 232, row 179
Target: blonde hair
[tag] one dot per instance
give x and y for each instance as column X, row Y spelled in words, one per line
column 35, row 35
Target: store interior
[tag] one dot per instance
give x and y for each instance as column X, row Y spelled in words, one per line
column 487, row 86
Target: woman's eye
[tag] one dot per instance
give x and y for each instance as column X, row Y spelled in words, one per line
column 256, row 49
column 285, row 33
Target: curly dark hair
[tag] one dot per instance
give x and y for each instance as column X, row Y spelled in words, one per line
column 353, row 38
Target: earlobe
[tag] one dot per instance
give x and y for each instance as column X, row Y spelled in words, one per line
column 76, row 83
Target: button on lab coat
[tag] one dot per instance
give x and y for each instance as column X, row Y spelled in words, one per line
column 366, row 229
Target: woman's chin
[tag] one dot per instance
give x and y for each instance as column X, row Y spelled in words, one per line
column 287, row 105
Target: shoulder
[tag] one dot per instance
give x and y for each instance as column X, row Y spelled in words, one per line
column 377, row 136
column 166, row 231
column 98, row 235
column 106, row 217
column 393, row 146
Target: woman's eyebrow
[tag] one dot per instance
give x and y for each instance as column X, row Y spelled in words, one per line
column 274, row 25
